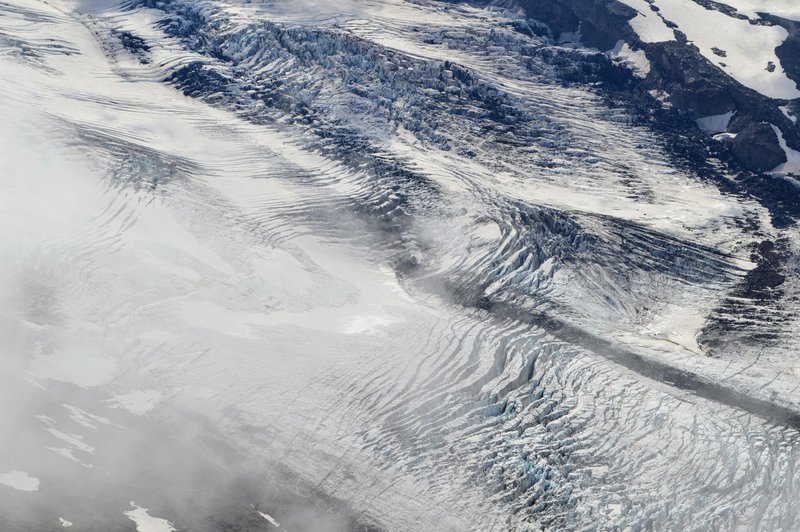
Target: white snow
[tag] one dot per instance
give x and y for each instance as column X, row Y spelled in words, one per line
column 74, row 440
column 680, row 326
column 749, row 48
column 69, row 454
column 647, row 24
column 724, row 136
column 547, row 267
column 83, row 417
column 19, row 480
column 636, row 60
column 137, row 402
column 217, row 288
column 792, row 164
column 488, row 231
column 788, row 9
column 271, row 520
column 146, row 522
column 366, row 324
column 785, row 110
column 711, row 125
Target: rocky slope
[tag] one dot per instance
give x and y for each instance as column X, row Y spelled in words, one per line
column 684, row 62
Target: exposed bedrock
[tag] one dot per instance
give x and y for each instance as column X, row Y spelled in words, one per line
column 757, row 143
column 602, row 23
column 679, row 71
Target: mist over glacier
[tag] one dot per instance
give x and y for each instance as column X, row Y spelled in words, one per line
column 382, row 265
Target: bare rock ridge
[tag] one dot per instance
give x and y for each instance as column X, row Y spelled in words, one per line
column 687, row 79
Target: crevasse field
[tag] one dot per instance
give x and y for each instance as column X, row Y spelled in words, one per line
column 376, row 265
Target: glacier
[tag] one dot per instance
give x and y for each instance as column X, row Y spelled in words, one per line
column 387, row 265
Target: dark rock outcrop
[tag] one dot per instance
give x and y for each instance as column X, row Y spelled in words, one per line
column 757, row 146
column 694, row 85
column 789, row 51
column 601, row 22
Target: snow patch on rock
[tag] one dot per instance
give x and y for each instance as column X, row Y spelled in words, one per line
column 138, row 402
column 146, row 522
column 711, row 125
column 792, row 164
column 636, row 60
column 271, row 520
column 647, row 24
column 749, row 48
column 785, row 110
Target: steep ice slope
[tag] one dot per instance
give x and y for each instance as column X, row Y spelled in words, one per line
column 375, row 267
